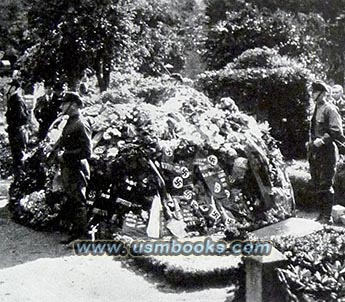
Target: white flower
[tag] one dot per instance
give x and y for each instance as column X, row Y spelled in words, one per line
column 106, row 136
column 99, row 150
column 112, row 152
column 24, row 202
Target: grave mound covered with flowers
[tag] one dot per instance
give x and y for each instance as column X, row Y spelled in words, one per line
column 181, row 167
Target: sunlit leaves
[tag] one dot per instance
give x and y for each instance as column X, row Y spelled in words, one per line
column 144, row 35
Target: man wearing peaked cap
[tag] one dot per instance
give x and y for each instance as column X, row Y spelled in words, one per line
column 320, row 86
column 76, row 145
column 72, row 97
column 325, row 130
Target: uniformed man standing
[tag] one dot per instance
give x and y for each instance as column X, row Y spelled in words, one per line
column 325, row 129
column 17, row 117
column 76, row 145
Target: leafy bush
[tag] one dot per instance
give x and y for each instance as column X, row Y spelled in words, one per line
column 5, row 158
column 339, row 185
column 298, row 172
column 316, row 271
column 271, row 87
column 299, row 175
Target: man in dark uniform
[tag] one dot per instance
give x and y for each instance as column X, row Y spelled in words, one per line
column 325, row 129
column 17, row 117
column 46, row 110
column 75, row 144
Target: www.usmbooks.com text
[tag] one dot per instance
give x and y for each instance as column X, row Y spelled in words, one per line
column 174, row 247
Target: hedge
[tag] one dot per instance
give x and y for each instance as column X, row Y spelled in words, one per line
column 270, row 87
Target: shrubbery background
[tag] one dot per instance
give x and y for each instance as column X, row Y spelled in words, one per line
column 271, row 87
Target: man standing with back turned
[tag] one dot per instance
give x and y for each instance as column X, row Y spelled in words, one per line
column 325, row 129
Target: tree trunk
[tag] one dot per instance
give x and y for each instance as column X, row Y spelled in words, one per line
column 101, row 83
column 102, row 69
column 106, row 75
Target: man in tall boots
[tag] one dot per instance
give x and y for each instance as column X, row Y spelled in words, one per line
column 325, row 130
column 75, row 146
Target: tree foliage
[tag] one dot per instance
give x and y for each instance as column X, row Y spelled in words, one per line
column 74, row 35
column 332, row 13
column 13, row 26
column 314, row 27
column 328, row 9
column 251, row 27
column 336, row 49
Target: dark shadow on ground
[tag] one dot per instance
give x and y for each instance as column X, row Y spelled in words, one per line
column 155, row 275
column 20, row 244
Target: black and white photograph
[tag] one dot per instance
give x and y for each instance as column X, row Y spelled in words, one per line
column 172, row 150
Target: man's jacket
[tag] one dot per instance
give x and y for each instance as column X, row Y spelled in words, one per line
column 326, row 123
column 47, row 110
column 76, row 141
column 17, row 114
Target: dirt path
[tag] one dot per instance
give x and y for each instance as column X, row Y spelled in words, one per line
column 20, row 244
column 34, row 266
column 87, row 279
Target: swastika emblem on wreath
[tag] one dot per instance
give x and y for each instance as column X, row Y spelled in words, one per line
column 228, row 221
column 185, row 172
column 168, row 152
column 215, row 215
column 217, row 187
column 227, row 193
column 188, row 194
column 212, row 159
column 178, row 182
column 231, row 179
